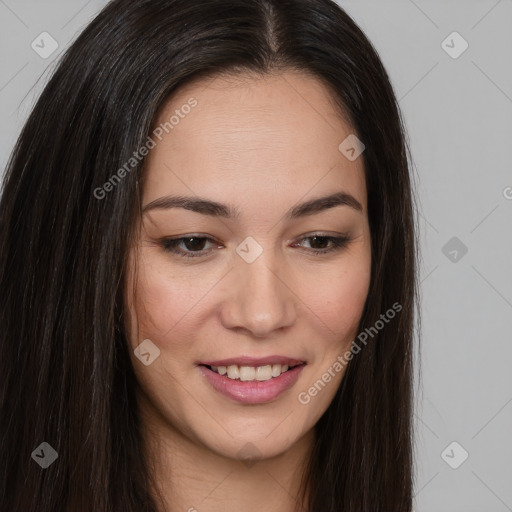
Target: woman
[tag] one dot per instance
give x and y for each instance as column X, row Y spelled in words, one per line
column 208, row 269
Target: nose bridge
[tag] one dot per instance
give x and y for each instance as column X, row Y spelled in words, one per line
column 262, row 277
column 262, row 301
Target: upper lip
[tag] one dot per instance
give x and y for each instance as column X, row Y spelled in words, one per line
column 254, row 361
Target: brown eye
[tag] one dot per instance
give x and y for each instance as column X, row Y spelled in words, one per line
column 319, row 240
column 191, row 244
column 337, row 243
column 194, row 246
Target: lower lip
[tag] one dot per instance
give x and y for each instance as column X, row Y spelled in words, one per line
column 255, row 391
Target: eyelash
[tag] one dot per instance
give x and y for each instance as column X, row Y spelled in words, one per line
column 170, row 245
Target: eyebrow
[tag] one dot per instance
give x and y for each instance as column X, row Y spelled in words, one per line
column 215, row 209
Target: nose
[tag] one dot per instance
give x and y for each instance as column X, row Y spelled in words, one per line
column 261, row 298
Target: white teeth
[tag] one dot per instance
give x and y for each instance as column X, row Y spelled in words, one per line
column 250, row 373
column 276, row 370
column 233, row 371
column 247, row 373
column 264, row 372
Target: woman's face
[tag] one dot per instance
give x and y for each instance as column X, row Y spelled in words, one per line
column 253, row 280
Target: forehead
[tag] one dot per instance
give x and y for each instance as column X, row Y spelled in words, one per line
column 252, row 134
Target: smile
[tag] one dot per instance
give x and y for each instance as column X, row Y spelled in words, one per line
column 252, row 384
column 250, row 373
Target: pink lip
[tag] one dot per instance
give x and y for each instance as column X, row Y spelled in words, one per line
column 253, row 361
column 251, row 392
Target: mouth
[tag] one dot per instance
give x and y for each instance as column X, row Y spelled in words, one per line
column 252, row 381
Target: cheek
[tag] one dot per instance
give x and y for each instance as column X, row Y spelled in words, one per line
column 168, row 302
column 347, row 303
column 161, row 306
column 337, row 297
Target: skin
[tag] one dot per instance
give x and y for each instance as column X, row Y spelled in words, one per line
column 262, row 145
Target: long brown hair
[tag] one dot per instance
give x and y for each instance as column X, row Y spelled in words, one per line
column 67, row 378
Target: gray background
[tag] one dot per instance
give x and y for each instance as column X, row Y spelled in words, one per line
column 458, row 113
